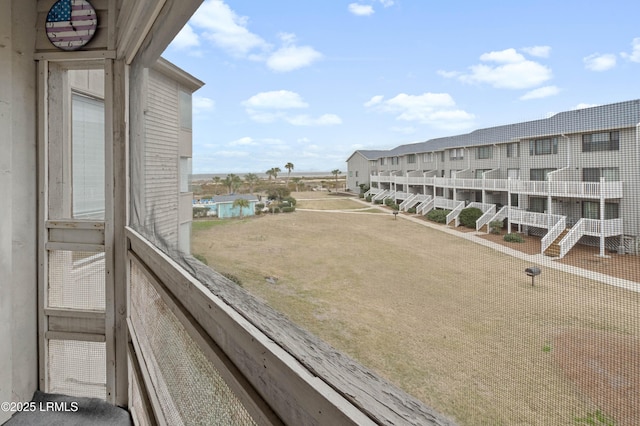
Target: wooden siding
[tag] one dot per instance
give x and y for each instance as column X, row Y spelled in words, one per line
column 161, row 156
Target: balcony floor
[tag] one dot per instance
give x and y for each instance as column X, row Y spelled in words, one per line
column 90, row 411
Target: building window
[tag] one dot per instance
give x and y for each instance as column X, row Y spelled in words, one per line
column 543, row 146
column 350, row 173
column 442, row 156
column 484, row 152
column 185, row 110
column 514, row 200
column 185, row 174
column 411, row 158
column 513, row 173
column 87, row 154
column 382, row 161
column 513, row 150
column 538, row 205
column 610, row 174
column 356, row 173
column 606, row 141
column 428, row 157
column 480, row 172
column 591, row 210
column 395, row 161
column 539, row 174
column 456, row 154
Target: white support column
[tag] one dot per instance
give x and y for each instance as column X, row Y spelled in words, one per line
column 508, row 205
column 602, row 218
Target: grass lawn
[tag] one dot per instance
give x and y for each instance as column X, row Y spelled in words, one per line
column 455, row 324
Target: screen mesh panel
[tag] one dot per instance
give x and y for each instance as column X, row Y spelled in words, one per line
column 76, row 280
column 190, row 389
column 77, row 368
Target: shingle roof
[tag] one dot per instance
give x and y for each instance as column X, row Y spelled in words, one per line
column 612, row 116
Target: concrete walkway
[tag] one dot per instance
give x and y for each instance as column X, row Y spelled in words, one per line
column 535, row 259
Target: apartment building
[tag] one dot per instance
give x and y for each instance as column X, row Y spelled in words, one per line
column 572, row 177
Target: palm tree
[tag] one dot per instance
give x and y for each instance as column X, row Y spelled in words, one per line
column 296, row 181
column 251, row 179
column 289, row 167
column 242, row 203
column 336, row 172
column 276, row 170
column 232, row 182
column 271, row 173
column 216, row 182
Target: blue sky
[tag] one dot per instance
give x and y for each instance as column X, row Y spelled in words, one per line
column 309, row 82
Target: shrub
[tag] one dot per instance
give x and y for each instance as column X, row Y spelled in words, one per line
column 368, row 198
column 513, row 238
column 439, row 216
column 292, row 201
column 260, row 206
column 412, row 210
column 278, row 193
column 288, row 209
column 389, row 202
column 377, row 202
column 361, row 195
column 495, row 227
column 363, row 188
column 199, row 212
column 469, row 216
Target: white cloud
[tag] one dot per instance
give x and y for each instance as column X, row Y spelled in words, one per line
column 231, row 154
column 513, row 71
column 186, row 38
column 541, row 92
column 226, row 29
column 245, row 141
column 291, row 57
column 449, row 74
column 598, row 62
column 436, row 109
column 361, row 9
column 306, row 120
column 538, row 51
column 201, row 104
column 374, row 101
column 277, row 99
column 268, row 107
column 387, row 3
column 634, row 56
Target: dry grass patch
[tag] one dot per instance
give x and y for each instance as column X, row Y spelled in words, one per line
column 330, row 204
column 456, row 324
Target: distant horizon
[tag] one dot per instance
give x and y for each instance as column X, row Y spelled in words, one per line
column 264, row 175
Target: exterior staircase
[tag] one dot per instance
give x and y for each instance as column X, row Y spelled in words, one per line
column 554, row 249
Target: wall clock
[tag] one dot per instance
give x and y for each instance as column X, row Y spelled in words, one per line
column 71, row 24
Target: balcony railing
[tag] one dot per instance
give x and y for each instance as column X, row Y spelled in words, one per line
column 543, row 188
column 203, row 351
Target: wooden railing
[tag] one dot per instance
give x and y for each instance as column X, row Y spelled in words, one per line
column 486, row 217
column 553, row 233
column 261, row 368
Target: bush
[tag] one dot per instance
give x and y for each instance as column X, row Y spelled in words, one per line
column 288, row 209
column 389, row 202
column 259, row 206
column 377, row 202
column 292, row 201
column 439, row 216
column 199, row 212
column 513, row 238
column 495, row 227
column 363, row 188
column 278, row 193
column 368, row 199
column 469, row 216
column 412, row 210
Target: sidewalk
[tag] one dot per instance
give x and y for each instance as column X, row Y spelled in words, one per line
column 536, row 259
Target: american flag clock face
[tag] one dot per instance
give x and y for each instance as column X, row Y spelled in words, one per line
column 71, row 24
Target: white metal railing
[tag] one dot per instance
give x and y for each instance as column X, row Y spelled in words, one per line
column 401, row 195
column 556, row 189
column 426, row 206
column 406, row 201
column 455, row 212
column 572, row 237
column 605, row 228
column 553, row 233
column 417, row 199
column 539, row 220
column 380, row 195
column 445, row 203
column 502, row 214
column 486, row 217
